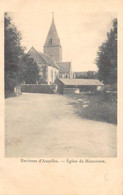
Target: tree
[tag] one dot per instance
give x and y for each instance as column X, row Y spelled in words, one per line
column 107, row 57
column 87, row 75
column 18, row 66
column 29, row 71
column 91, row 75
column 13, row 55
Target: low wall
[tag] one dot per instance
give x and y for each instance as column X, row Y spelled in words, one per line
column 40, row 88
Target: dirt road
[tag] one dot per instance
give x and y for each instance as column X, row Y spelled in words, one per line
column 43, row 125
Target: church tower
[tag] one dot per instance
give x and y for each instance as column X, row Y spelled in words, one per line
column 52, row 46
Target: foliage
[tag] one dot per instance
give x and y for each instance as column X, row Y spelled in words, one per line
column 107, row 57
column 91, row 75
column 87, row 75
column 29, row 71
column 13, row 54
column 101, row 106
column 18, row 66
column 42, row 81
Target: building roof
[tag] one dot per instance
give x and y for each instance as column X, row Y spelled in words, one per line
column 52, row 37
column 79, row 82
column 42, row 58
column 64, row 67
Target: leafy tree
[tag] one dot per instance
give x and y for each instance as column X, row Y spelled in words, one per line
column 91, row 75
column 107, row 57
column 18, row 66
column 87, row 75
column 29, row 71
column 13, row 55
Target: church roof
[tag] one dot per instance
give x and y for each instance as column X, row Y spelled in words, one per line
column 64, row 67
column 79, row 82
column 42, row 58
column 52, row 37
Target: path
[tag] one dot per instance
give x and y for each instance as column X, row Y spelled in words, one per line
column 43, row 125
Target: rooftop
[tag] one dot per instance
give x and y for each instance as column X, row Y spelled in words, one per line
column 92, row 82
column 52, row 37
column 64, row 67
column 41, row 58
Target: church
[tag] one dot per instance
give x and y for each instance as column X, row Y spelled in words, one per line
column 50, row 60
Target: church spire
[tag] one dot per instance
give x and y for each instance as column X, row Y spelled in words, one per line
column 52, row 44
column 52, row 37
column 52, row 15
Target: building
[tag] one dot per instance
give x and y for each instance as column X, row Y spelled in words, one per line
column 52, row 46
column 65, row 70
column 78, row 85
column 49, row 70
column 77, row 75
column 50, row 61
column 85, row 75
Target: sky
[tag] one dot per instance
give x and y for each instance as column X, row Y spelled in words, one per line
column 80, row 32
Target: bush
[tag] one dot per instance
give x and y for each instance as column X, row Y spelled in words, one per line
column 102, row 106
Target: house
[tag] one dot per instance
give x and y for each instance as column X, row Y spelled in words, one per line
column 50, row 61
column 78, row 85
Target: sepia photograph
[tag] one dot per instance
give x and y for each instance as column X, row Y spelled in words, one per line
column 60, row 84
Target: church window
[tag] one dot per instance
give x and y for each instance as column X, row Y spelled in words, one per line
column 52, row 75
column 50, row 41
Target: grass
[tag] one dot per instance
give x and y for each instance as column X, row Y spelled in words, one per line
column 99, row 106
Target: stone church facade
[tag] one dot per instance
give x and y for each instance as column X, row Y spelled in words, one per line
column 50, row 61
column 48, row 69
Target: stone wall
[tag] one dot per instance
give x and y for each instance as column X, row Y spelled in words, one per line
column 43, row 88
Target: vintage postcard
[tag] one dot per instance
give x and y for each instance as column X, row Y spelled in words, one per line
column 61, row 97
